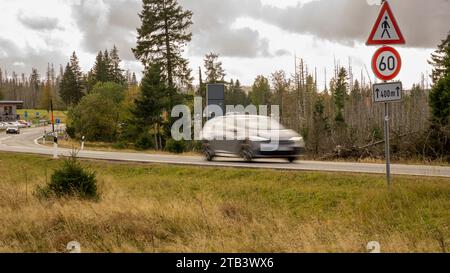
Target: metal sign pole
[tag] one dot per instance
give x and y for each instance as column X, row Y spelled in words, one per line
column 387, row 144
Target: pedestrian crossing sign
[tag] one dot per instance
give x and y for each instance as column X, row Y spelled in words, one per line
column 386, row 30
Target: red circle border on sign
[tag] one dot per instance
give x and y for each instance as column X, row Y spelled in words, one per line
column 374, row 63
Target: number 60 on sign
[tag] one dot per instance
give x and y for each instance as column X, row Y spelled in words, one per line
column 386, row 63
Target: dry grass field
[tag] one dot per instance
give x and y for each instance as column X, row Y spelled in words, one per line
column 160, row 208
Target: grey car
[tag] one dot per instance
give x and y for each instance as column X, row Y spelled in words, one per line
column 13, row 130
column 249, row 137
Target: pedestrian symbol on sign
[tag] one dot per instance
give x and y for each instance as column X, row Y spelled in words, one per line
column 386, row 26
column 386, row 30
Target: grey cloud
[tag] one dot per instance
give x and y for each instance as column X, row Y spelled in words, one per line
column 107, row 23
column 20, row 60
column 424, row 23
column 38, row 23
column 213, row 29
column 243, row 42
column 104, row 23
column 282, row 52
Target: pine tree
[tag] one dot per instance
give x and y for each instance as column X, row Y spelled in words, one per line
column 117, row 74
column 34, row 82
column 214, row 71
column 74, row 82
column 75, row 67
column 281, row 85
column 66, row 86
column 71, row 86
column 234, row 95
column 260, row 94
column 134, row 81
column 100, row 70
column 320, row 126
column 151, row 102
column 46, row 92
column 440, row 101
column 107, row 66
column 164, row 33
column 339, row 95
column 440, row 60
column 440, row 94
column 149, row 106
column 46, row 97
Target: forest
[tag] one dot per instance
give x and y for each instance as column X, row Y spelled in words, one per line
column 340, row 121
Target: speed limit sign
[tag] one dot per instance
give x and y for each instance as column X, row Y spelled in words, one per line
column 386, row 63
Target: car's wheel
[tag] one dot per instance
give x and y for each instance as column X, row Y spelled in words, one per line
column 292, row 159
column 246, row 152
column 209, row 156
column 208, row 153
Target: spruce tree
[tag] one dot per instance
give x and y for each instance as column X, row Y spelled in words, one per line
column 149, row 105
column 339, row 95
column 164, row 33
column 152, row 100
column 72, row 83
column 34, row 83
column 100, row 71
column 260, row 94
column 117, row 74
column 77, row 88
column 440, row 60
column 440, row 101
column 214, row 70
column 67, row 86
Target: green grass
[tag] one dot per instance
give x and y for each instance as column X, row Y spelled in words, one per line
column 43, row 115
column 160, row 208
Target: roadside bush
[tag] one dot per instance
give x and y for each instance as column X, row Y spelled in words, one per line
column 144, row 141
column 99, row 114
column 70, row 131
column 176, row 147
column 194, row 146
column 72, row 180
column 120, row 145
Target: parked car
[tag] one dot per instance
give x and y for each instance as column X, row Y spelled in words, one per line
column 250, row 136
column 25, row 123
column 13, row 130
column 19, row 124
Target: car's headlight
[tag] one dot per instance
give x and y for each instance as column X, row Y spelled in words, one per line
column 258, row 139
column 298, row 141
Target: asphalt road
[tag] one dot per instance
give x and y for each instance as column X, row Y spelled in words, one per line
column 26, row 143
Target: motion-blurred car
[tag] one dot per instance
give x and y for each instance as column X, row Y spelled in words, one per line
column 13, row 130
column 250, row 136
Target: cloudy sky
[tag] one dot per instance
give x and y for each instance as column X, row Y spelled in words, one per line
column 252, row 36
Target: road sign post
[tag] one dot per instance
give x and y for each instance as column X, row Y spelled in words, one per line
column 387, row 93
column 386, row 65
column 387, row 144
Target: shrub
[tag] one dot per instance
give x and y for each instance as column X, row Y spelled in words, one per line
column 70, row 131
column 194, row 146
column 176, row 147
column 99, row 114
column 72, row 180
column 120, row 145
column 144, row 141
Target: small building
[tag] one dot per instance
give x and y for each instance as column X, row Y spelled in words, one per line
column 8, row 110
